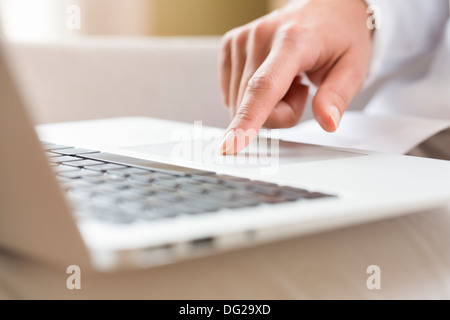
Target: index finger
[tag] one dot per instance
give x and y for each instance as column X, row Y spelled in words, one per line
column 289, row 56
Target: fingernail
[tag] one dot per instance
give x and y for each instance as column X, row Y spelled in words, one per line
column 335, row 115
column 227, row 143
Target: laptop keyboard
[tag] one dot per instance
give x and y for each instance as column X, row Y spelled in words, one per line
column 121, row 189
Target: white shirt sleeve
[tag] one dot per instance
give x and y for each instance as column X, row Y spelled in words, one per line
column 408, row 29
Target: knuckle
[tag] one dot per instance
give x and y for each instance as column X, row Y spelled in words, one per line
column 260, row 29
column 240, row 38
column 260, row 83
column 245, row 114
column 225, row 45
column 248, row 113
column 226, row 39
column 292, row 31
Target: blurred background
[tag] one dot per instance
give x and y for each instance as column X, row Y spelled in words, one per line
column 154, row 58
column 50, row 19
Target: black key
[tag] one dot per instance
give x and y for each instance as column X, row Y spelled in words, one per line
column 96, row 179
column 63, row 168
column 199, row 206
column 164, row 176
column 84, row 163
column 217, row 187
column 186, row 208
column 167, row 196
column 136, row 185
column 106, row 188
column 131, row 193
column 167, row 183
column 246, row 202
column 224, row 195
column 142, row 178
column 104, row 167
column 199, row 189
column 130, row 171
column 79, row 173
column 188, row 180
column 151, row 176
column 74, row 151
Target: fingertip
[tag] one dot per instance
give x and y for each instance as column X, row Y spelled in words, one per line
column 328, row 117
column 227, row 143
column 236, row 139
column 335, row 115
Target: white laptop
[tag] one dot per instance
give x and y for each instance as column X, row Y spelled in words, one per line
column 126, row 193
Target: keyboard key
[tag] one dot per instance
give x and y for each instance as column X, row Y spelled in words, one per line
column 151, row 176
column 101, row 166
column 199, row 189
column 142, row 178
column 130, row 171
column 84, row 163
column 64, row 168
column 224, row 195
column 63, row 159
column 167, row 183
column 106, row 188
column 167, row 196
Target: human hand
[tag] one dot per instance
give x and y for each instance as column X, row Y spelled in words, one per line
column 261, row 63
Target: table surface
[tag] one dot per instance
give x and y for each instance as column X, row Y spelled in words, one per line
column 411, row 253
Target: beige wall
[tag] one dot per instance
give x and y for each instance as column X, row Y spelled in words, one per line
column 170, row 17
column 204, row 17
column 116, row 17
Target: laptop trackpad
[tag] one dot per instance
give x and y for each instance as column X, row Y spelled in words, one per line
column 263, row 152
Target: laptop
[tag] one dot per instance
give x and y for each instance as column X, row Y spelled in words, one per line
column 127, row 193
